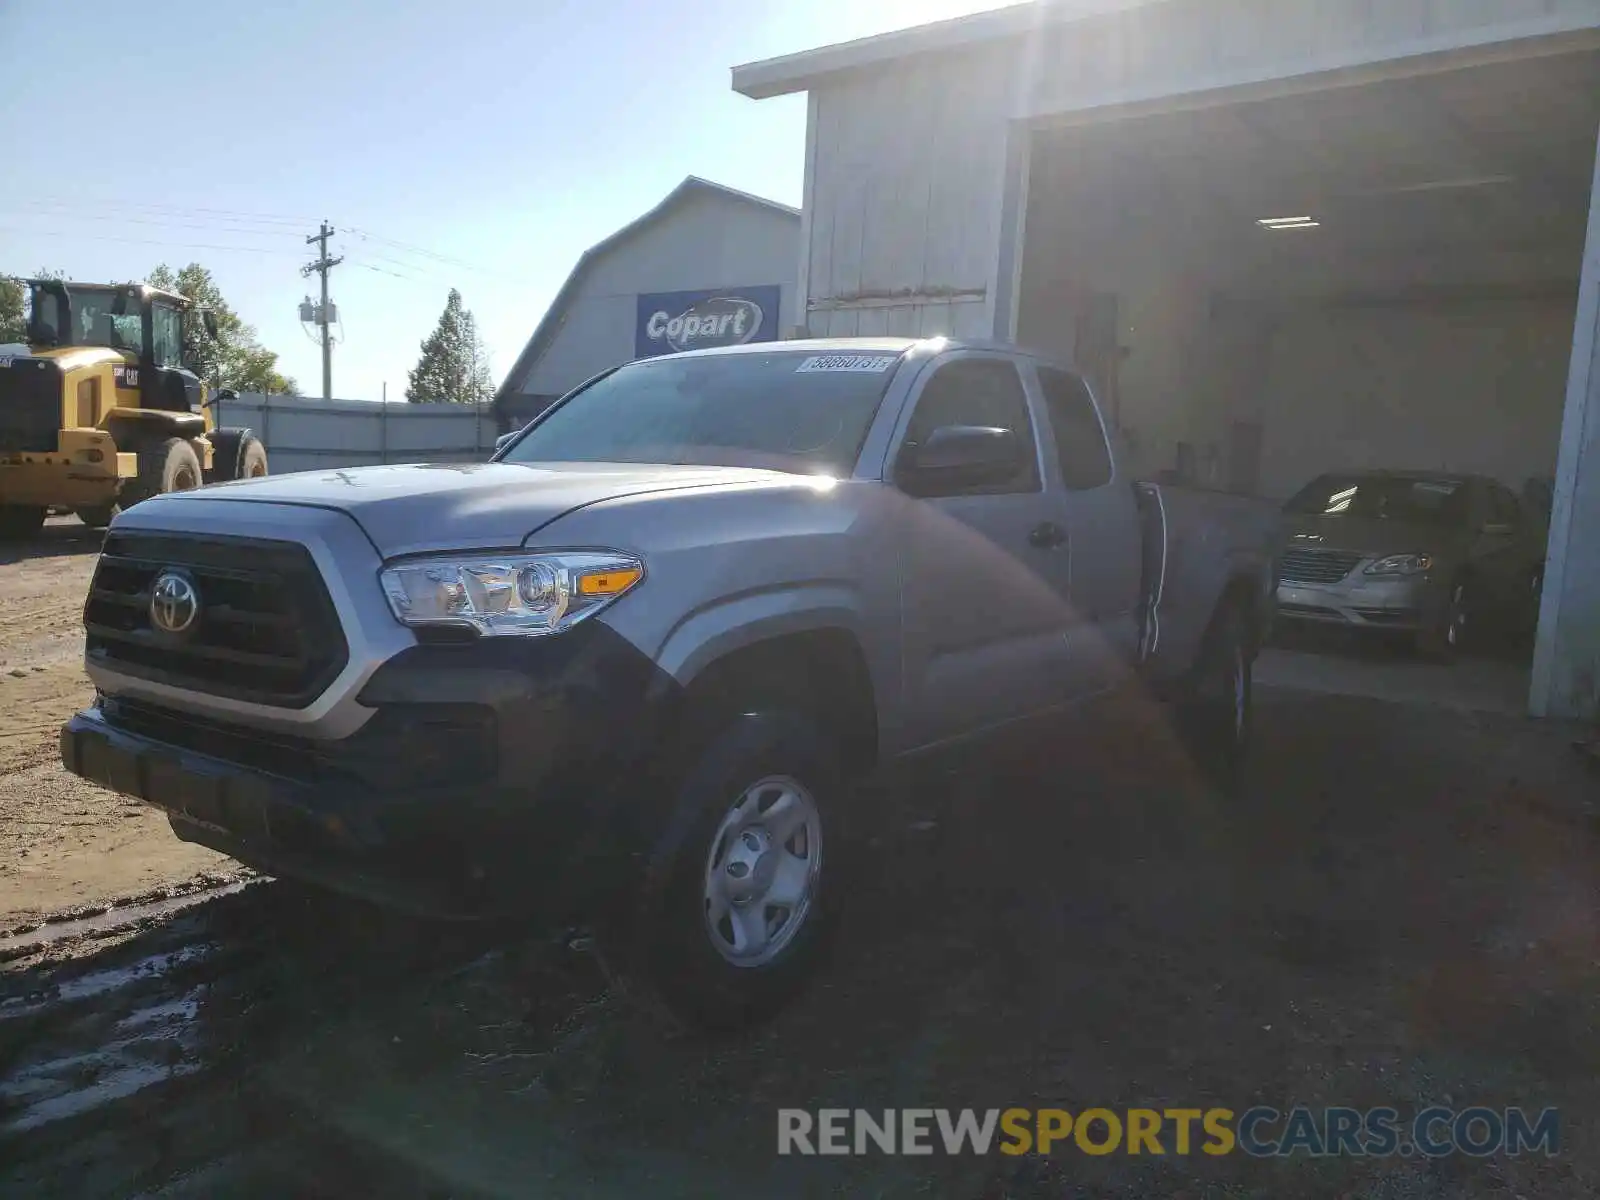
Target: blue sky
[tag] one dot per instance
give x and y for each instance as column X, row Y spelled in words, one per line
column 482, row 144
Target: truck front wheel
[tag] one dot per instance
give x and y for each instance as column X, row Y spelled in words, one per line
column 737, row 906
column 170, row 465
column 18, row 522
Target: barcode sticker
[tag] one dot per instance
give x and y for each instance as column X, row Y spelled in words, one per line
column 871, row 364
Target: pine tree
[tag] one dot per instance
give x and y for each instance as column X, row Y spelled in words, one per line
column 454, row 367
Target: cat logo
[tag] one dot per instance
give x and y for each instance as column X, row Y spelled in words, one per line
column 125, row 377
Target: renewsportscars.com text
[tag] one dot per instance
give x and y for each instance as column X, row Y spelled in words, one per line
column 1259, row 1132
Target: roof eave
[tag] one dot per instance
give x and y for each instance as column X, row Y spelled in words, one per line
column 797, row 72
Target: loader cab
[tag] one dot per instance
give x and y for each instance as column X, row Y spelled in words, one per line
column 150, row 327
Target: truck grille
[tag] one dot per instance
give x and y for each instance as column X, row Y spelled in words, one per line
column 266, row 632
column 1316, row 566
column 30, row 405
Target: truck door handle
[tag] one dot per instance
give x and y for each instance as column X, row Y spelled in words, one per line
column 1047, row 536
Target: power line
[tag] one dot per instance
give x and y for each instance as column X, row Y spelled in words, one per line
column 171, row 209
column 161, row 222
column 168, row 243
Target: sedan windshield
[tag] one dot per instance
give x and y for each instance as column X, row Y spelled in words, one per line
column 786, row 410
column 1383, row 498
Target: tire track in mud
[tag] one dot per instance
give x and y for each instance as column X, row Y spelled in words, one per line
column 145, row 1047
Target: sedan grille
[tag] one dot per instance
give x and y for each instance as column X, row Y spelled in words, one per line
column 266, row 629
column 1316, row 566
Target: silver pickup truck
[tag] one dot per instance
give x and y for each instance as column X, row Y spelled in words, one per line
column 627, row 668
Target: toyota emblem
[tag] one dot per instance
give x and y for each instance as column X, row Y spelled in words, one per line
column 174, row 604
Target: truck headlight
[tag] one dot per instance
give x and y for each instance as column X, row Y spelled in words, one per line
column 1401, row 564
column 518, row 595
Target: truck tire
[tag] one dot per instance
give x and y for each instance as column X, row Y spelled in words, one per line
column 236, row 454
column 99, row 516
column 169, row 465
column 1217, row 714
column 18, row 522
column 736, row 910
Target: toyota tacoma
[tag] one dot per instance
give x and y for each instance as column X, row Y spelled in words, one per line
column 629, row 666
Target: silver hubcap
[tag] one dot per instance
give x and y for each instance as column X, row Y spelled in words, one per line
column 762, row 871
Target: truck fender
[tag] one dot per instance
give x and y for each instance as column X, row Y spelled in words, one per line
column 717, row 629
column 132, row 424
column 225, row 445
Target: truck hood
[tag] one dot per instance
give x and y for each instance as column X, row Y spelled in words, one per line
column 455, row 506
column 1369, row 538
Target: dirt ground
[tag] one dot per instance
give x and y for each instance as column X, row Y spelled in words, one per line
column 1400, row 908
column 63, row 844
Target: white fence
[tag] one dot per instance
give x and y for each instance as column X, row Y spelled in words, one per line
column 309, row 435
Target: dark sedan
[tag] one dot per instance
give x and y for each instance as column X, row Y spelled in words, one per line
column 1435, row 556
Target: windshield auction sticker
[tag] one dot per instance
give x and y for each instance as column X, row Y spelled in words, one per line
column 871, row 364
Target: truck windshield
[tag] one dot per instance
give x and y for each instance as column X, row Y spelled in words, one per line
column 786, row 410
column 1383, row 498
column 96, row 324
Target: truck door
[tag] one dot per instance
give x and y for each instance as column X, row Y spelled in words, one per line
column 1101, row 516
column 981, row 594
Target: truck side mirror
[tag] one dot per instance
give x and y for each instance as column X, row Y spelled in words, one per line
column 960, row 456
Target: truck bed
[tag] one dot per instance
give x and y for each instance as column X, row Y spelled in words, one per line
column 1196, row 544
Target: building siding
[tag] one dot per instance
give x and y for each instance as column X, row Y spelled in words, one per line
column 708, row 241
column 908, row 171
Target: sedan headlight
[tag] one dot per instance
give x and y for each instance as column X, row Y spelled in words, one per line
column 517, row 595
column 1401, row 564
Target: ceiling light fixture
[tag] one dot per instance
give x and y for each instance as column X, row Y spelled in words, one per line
column 1288, row 223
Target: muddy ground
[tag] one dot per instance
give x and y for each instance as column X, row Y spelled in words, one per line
column 63, row 844
column 1400, row 909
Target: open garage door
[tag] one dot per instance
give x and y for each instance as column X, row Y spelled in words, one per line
column 1421, row 316
column 1380, row 275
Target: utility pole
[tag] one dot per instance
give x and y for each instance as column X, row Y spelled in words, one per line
column 321, row 267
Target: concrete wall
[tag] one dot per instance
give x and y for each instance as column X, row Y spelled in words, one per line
column 708, row 241
column 309, row 435
column 1462, row 386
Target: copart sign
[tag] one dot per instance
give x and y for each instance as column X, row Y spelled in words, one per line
column 673, row 321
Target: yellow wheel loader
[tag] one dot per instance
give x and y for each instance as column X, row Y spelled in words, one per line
column 101, row 408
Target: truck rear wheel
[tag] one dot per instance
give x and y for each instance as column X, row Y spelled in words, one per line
column 236, row 454
column 737, row 908
column 1216, row 715
column 18, row 522
column 170, row 465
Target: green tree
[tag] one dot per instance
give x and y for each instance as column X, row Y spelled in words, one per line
column 13, row 327
column 234, row 358
column 454, row 367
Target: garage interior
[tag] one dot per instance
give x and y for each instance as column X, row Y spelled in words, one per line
column 1414, row 307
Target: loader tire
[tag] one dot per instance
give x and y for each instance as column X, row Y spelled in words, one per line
column 170, row 465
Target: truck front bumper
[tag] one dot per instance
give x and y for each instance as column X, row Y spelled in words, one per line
column 493, row 779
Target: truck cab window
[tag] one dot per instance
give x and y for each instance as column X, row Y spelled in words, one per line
column 980, row 391
column 1080, row 441
column 167, row 335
